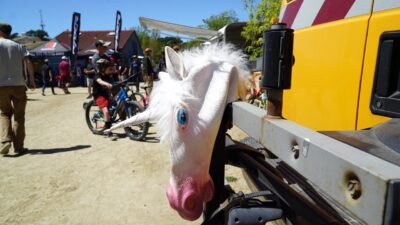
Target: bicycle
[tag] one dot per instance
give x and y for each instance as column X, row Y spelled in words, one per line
column 121, row 108
column 256, row 95
column 143, row 100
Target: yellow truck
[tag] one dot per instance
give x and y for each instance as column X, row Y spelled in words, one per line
column 327, row 148
column 336, row 48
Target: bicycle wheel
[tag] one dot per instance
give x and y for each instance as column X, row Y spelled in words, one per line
column 94, row 117
column 136, row 96
column 250, row 99
column 135, row 132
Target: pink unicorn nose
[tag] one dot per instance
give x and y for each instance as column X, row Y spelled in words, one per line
column 188, row 200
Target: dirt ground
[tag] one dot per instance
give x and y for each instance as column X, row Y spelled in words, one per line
column 70, row 176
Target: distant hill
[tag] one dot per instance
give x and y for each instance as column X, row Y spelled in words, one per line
column 29, row 42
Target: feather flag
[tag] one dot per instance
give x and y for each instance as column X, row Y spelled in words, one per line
column 76, row 24
column 118, row 25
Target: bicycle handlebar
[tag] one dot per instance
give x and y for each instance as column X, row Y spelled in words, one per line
column 123, row 82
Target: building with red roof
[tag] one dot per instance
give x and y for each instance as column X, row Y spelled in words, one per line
column 129, row 44
column 59, row 46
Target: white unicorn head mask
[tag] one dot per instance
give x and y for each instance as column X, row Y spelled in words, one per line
column 188, row 104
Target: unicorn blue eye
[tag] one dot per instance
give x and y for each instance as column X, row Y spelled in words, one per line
column 183, row 117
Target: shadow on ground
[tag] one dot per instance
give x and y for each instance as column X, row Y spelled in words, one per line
column 147, row 139
column 152, row 140
column 48, row 151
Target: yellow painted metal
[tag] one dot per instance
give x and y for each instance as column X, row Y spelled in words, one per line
column 326, row 75
column 287, row 2
column 383, row 21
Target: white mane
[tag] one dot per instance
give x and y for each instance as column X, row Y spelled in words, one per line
column 215, row 53
column 169, row 92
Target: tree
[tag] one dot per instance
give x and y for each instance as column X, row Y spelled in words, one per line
column 170, row 41
column 194, row 43
column 13, row 35
column 259, row 20
column 43, row 35
column 216, row 22
column 151, row 39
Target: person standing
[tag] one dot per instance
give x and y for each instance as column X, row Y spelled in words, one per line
column 148, row 70
column 176, row 48
column 47, row 77
column 134, row 69
column 90, row 72
column 115, row 59
column 78, row 75
column 13, row 97
column 122, row 69
column 101, row 47
column 65, row 74
column 162, row 65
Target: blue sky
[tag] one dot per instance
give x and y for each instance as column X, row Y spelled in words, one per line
column 100, row 14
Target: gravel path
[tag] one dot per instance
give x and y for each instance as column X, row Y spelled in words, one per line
column 71, row 176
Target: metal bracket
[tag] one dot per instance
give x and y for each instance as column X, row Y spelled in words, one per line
column 338, row 169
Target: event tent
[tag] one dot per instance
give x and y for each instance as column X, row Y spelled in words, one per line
column 50, row 48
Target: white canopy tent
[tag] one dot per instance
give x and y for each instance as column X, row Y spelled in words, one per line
column 192, row 32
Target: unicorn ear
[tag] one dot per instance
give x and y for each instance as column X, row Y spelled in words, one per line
column 220, row 86
column 174, row 64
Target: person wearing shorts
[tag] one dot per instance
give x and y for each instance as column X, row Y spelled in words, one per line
column 148, row 70
column 65, row 74
column 90, row 72
column 102, row 88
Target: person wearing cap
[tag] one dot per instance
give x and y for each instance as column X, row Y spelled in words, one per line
column 65, row 74
column 148, row 70
column 47, row 77
column 101, row 47
column 13, row 97
column 102, row 85
column 134, row 70
column 89, row 72
column 176, row 48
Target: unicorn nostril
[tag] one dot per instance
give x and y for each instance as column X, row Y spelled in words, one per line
column 188, row 199
column 189, row 203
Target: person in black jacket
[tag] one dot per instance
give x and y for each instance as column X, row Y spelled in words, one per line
column 47, row 77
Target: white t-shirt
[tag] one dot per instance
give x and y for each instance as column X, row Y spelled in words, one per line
column 11, row 63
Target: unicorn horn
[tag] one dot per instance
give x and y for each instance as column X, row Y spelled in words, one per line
column 137, row 119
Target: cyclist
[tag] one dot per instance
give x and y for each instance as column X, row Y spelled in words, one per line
column 102, row 86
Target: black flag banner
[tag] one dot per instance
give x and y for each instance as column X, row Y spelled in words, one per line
column 118, row 25
column 76, row 24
